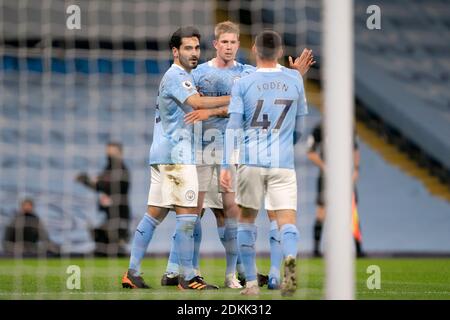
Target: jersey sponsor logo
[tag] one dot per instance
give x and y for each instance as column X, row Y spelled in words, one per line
column 190, row 195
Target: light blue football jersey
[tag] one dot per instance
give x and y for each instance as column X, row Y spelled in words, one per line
column 160, row 147
column 215, row 82
column 173, row 139
column 270, row 101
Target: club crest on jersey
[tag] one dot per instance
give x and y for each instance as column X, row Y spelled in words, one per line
column 236, row 79
column 187, row 84
column 190, row 195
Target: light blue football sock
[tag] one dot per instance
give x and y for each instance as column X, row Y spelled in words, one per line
column 184, row 243
column 221, row 232
column 142, row 237
column 231, row 247
column 172, row 264
column 197, row 241
column 246, row 244
column 276, row 251
column 239, row 265
column 289, row 240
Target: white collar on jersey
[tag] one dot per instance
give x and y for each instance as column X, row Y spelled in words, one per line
column 211, row 63
column 175, row 65
column 277, row 69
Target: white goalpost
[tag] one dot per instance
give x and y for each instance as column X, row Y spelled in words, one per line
column 338, row 95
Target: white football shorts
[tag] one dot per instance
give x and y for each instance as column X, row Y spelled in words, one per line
column 173, row 185
column 277, row 186
column 209, row 178
column 213, row 198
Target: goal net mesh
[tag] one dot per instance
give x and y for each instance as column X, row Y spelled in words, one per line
column 65, row 93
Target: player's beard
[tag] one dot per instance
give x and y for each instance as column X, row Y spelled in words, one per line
column 189, row 63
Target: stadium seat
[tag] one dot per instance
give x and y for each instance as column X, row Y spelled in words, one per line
column 414, row 60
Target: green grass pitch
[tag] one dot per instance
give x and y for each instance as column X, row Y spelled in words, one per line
column 100, row 279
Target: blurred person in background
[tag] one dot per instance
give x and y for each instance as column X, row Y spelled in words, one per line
column 316, row 156
column 26, row 236
column 112, row 185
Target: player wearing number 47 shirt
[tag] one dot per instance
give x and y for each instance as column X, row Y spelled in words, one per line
column 174, row 181
column 268, row 105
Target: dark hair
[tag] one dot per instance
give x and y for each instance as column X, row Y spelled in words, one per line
column 27, row 200
column 268, row 43
column 116, row 144
column 183, row 32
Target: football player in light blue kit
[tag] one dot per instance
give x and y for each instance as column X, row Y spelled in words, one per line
column 174, row 181
column 215, row 78
column 268, row 104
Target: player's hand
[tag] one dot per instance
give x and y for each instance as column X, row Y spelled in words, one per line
column 303, row 62
column 225, row 180
column 197, row 115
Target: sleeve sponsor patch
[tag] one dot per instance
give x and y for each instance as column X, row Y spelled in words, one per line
column 187, row 84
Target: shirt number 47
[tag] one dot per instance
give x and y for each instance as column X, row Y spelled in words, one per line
column 265, row 123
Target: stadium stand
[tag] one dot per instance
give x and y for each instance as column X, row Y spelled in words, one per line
column 64, row 95
column 409, row 69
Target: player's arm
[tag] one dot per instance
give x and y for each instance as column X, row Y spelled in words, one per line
column 303, row 62
column 196, row 101
column 221, row 112
column 298, row 129
column 302, row 111
column 181, row 89
column 235, row 123
column 205, row 114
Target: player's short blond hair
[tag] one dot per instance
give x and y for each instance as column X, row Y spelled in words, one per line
column 226, row 27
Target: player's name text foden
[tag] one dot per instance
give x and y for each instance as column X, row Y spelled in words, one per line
column 273, row 85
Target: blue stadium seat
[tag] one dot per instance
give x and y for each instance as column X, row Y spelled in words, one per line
column 34, row 135
column 10, row 135
column 31, row 161
column 56, row 137
column 10, row 111
column 9, row 161
column 80, row 163
column 56, row 162
column 80, row 137
column 412, row 57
